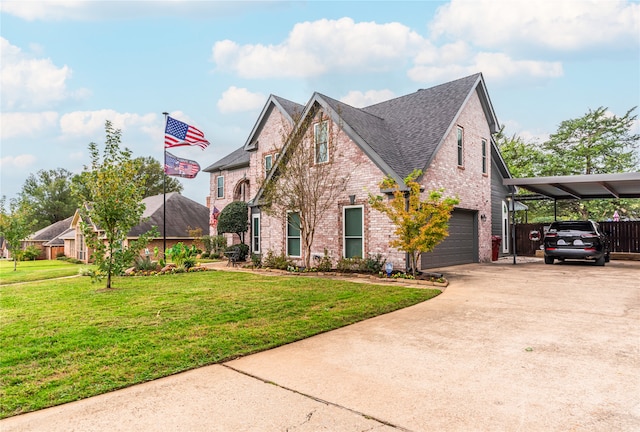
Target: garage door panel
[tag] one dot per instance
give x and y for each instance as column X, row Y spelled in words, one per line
column 460, row 247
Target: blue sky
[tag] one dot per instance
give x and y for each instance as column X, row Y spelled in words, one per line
column 67, row 66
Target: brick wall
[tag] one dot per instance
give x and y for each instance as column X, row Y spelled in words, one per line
column 469, row 184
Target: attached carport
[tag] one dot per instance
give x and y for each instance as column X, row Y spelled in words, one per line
column 582, row 187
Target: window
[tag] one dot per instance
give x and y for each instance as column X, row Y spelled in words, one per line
column 484, row 156
column 255, row 233
column 321, row 142
column 268, row 163
column 293, row 234
column 220, row 187
column 460, row 147
column 353, row 237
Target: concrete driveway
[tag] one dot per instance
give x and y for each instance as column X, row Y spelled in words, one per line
column 529, row 347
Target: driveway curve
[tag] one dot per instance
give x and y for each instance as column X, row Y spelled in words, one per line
column 526, row 347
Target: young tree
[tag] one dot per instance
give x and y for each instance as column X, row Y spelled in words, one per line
column 420, row 225
column 48, row 195
column 234, row 218
column 306, row 178
column 113, row 206
column 15, row 225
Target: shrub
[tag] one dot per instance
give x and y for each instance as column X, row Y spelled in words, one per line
column 374, row 264
column 179, row 253
column 256, row 260
column 60, row 255
column 31, row 253
column 145, row 264
column 274, row 261
column 189, row 262
column 324, row 263
column 219, row 243
column 204, row 255
column 349, row 264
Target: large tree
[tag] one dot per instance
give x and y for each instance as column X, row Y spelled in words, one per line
column 48, row 195
column 420, row 225
column 113, row 196
column 306, row 179
column 597, row 143
column 151, row 175
column 15, row 225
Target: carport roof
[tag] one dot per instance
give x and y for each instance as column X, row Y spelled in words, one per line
column 592, row 186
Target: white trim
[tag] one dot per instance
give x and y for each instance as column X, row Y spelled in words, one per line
column 286, row 237
column 344, row 229
column 505, row 227
column 253, row 236
column 218, row 186
column 315, row 142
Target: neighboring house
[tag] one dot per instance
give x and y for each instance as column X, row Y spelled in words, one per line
column 4, row 252
column 47, row 239
column 182, row 216
column 446, row 131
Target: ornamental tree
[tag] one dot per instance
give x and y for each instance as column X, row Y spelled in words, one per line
column 113, row 206
column 234, row 219
column 420, row 225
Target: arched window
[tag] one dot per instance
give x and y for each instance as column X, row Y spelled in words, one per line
column 241, row 191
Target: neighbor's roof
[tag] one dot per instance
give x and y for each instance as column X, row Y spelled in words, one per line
column 182, row 214
column 52, row 231
column 621, row 185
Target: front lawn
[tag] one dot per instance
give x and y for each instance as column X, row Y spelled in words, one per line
column 65, row 340
column 35, row 270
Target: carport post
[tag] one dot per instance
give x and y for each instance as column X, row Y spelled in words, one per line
column 513, row 226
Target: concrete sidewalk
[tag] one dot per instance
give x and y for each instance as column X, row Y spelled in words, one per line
column 529, row 347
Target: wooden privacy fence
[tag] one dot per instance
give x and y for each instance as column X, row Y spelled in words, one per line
column 623, row 236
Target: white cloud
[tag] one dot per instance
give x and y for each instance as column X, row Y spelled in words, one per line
column 29, row 82
column 93, row 10
column 360, row 99
column 546, row 24
column 236, row 99
column 22, row 124
column 87, row 123
column 315, row 48
column 19, row 162
column 496, row 66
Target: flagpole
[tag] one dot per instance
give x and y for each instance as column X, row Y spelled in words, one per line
column 164, row 194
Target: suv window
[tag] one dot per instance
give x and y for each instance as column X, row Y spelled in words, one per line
column 572, row 226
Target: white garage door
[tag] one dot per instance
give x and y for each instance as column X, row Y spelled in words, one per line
column 460, row 247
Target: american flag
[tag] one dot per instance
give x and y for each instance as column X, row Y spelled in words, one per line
column 175, row 166
column 213, row 220
column 177, row 134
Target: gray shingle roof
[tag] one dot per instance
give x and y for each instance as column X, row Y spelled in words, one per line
column 52, row 231
column 182, row 214
column 399, row 135
column 406, row 131
column 238, row 158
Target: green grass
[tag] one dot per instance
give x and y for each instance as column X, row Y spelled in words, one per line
column 28, row 271
column 67, row 339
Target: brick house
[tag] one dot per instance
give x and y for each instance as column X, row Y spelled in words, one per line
column 446, row 131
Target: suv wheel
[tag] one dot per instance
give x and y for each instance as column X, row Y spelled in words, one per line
column 600, row 261
column 548, row 260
